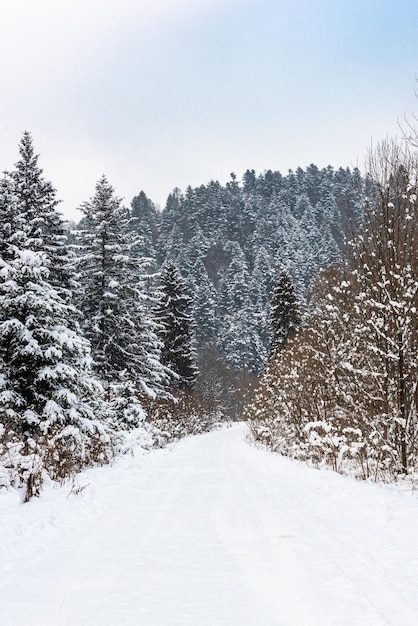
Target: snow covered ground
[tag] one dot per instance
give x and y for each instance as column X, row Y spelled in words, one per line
column 208, row 532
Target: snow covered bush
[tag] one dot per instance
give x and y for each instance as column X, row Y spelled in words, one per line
column 68, row 450
column 21, row 466
column 185, row 414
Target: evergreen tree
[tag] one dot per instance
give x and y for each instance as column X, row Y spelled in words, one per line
column 117, row 316
column 204, row 312
column 240, row 341
column 177, row 327
column 50, row 402
column 234, row 284
column 35, row 205
column 145, row 222
column 262, row 279
column 11, row 221
column 285, row 313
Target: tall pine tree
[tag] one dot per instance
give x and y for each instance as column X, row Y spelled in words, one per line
column 47, row 383
column 35, row 206
column 117, row 316
column 177, row 327
column 285, row 312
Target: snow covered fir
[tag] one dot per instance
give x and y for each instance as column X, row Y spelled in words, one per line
column 285, row 301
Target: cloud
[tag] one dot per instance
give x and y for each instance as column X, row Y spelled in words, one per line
column 60, row 67
column 164, row 93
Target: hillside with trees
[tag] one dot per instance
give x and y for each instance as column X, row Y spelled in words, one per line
column 229, row 242
column 287, row 299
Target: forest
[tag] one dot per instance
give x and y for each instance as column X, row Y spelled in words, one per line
column 287, row 300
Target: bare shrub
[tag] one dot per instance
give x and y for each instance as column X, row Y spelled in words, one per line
column 186, row 414
column 66, row 452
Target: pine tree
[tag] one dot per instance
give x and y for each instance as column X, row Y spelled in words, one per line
column 177, row 327
column 261, row 287
column 285, row 313
column 240, row 341
column 238, row 338
column 35, row 207
column 204, row 311
column 50, row 403
column 297, row 219
column 145, row 222
column 11, row 221
column 116, row 308
column 233, row 290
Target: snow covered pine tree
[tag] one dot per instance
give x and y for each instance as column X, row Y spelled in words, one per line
column 49, row 400
column 285, row 312
column 117, row 317
column 177, row 327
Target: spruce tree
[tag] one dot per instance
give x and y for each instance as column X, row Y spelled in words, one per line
column 240, row 341
column 145, row 222
column 204, row 312
column 116, row 308
column 177, row 327
column 35, row 207
column 296, row 218
column 238, row 338
column 11, row 220
column 285, row 313
column 233, row 290
column 50, row 403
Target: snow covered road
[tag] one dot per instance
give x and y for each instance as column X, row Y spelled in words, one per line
column 210, row 532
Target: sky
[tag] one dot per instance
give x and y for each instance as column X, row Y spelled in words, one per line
column 157, row 94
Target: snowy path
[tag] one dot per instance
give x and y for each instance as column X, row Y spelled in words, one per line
column 210, row 532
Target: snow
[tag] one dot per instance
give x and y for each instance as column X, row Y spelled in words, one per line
column 210, row 531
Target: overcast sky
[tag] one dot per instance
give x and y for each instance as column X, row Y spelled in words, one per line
column 158, row 94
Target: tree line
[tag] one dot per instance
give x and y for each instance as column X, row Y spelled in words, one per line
column 84, row 340
column 303, row 286
column 342, row 389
